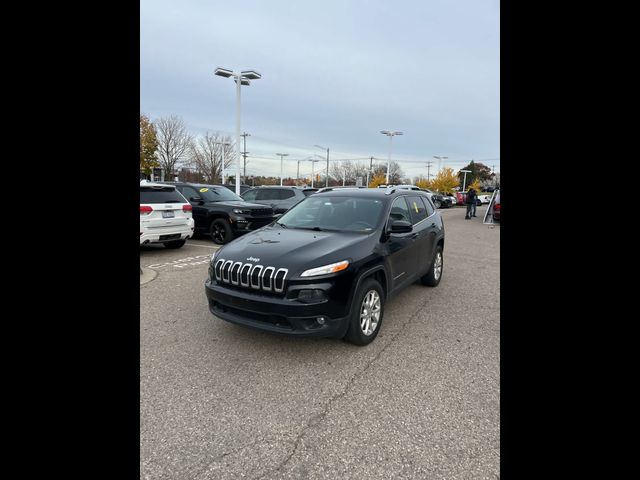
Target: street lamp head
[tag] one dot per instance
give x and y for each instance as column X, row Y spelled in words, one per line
column 283, row 154
column 385, row 132
column 397, row 133
column 244, row 81
column 223, row 72
column 251, row 75
column 319, row 146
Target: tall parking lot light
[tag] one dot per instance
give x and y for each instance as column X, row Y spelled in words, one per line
column 241, row 78
column 313, row 162
column 389, row 134
column 327, row 182
column 223, row 144
column 439, row 160
column 282, row 155
column 464, row 182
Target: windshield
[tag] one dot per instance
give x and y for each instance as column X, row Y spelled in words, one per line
column 218, row 194
column 345, row 214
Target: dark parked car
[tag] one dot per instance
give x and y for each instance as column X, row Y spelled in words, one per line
column 279, row 198
column 440, row 201
column 222, row 214
column 496, row 207
column 328, row 265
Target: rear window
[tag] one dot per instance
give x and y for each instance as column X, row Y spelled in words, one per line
column 160, row 195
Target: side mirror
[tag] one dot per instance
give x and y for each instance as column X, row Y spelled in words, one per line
column 401, row 226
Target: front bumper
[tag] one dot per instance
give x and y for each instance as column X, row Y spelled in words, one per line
column 277, row 314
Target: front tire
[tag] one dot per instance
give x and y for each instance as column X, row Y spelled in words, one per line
column 220, row 231
column 175, row 244
column 368, row 310
column 433, row 276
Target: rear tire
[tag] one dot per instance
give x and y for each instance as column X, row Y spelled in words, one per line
column 175, row 244
column 220, row 231
column 433, row 276
column 368, row 310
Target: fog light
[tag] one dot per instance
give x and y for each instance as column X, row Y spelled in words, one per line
column 311, row 296
column 320, row 320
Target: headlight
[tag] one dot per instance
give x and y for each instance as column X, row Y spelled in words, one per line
column 333, row 268
column 240, row 211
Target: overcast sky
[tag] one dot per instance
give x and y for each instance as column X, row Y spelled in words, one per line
column 334, row 73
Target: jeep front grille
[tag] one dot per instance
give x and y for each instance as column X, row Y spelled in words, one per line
column 249, row 275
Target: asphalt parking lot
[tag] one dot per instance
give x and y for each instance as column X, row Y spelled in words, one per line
column 422, row 401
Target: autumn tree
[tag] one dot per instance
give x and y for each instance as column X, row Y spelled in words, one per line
column 475, row 185
column 445, row 181
column 174, row 143
column 206, row 153
column 148, row 145
column 424, row 183
column 379, row 179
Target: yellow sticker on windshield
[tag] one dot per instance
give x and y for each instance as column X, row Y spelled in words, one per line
column 415, row 205
column 204, row 190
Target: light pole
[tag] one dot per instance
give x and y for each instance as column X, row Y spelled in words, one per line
column 464, row 182
column 389, row 134
column 241, row 78
column 313, row 161
column 327, row 181
column 282, row 155
column 224, row 144
column 439, row 160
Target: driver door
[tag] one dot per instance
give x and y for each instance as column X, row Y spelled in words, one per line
column 400, row 254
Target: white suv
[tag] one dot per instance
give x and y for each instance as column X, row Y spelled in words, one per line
column 165, row 215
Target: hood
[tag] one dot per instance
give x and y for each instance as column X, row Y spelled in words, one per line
column 238, row 204
column 294, row 249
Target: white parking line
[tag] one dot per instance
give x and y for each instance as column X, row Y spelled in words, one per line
column 182, row 262
column 205, row 246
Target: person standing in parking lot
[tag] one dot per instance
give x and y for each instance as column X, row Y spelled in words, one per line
column 471, row 204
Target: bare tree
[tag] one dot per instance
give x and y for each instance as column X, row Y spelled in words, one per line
column 173, row 143
column 205, row 155
column 395, row 173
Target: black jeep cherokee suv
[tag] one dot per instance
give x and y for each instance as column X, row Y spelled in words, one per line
column 327, row 266
column 220, row 213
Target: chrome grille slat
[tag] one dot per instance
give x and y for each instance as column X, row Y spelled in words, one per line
column 248, row 266
column 225, row 269
column 237, row 273
column 264, row 276
column 253, row 270
column 249, row 275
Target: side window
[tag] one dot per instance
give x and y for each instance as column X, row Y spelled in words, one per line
column 399, row 211
column 250, row 196
column 417, row 208
column 267, row 194
column 188, row 192
column 429, row 205
column 283, row 194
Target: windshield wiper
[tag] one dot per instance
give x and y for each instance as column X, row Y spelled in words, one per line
column 315, row 229
column 282, row 225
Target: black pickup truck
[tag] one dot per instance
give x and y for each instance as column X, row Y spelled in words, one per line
column 328, row 265
column 220, row 213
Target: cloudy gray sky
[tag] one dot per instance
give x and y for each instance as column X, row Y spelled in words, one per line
column 334, row 73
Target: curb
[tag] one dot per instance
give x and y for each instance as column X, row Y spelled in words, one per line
column 147, row 275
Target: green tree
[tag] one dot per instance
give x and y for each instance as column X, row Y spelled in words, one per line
column 148, row 145
column 478, row 171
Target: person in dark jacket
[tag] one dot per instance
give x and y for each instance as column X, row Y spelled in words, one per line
column 471, row 204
